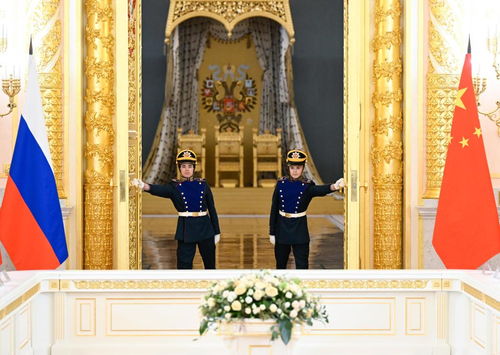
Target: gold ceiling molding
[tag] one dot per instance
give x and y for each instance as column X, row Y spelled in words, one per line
column 229, row 13
column 387, row 136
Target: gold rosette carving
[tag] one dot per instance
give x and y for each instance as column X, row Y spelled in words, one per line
column 99, row 158
column 387, row 150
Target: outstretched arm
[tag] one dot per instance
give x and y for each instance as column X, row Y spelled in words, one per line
column 322, row 190
column 157, row 190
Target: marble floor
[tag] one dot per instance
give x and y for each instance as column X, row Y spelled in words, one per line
column 244, row 243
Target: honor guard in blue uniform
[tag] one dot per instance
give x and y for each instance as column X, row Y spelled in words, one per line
column 198, row 224
column 288, row 222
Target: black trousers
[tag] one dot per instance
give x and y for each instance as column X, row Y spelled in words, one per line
column 186, row 251
column 300, row 252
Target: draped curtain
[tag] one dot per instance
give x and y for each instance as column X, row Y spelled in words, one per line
column 180, row 107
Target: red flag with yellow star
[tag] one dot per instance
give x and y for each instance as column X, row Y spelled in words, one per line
column 467, row 232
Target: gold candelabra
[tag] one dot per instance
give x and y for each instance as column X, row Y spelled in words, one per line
column 11, row 85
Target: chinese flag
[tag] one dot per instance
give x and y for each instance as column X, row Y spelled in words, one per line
column 466, row 233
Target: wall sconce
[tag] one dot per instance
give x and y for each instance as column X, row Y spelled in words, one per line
column 480, row 84
column 11, row 85
column 493, row 49
column 480, row 87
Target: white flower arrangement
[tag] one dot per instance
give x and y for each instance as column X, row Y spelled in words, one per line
column 263, row 296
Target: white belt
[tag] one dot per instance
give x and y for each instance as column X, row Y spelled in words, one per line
column 292, row 215
column 193, row 214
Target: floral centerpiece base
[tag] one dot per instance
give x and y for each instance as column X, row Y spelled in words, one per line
column 240, row 337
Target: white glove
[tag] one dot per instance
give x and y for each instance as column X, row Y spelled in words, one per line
column 138, row 183
column 216, row 239
column 339, row 184
column 272, row 239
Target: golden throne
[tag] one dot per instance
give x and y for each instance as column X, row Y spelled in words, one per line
column 266, row 157
column 228, row 156
column 195, row 142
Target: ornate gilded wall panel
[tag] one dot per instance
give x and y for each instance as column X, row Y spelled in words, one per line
column 135, row 132
column 387, row 149
column 445, row 56
column 229, row 12
column 47, row 46
column 99, row 158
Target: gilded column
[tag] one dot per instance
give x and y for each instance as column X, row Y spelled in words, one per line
column 445, row 55
column 387, row 149
column 135, row 132
column 47, row 46
column 99, row 113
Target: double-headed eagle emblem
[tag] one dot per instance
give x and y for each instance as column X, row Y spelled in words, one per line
column 228, row 100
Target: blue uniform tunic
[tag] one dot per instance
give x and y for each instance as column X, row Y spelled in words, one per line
column 293, row 196
column 191, row 196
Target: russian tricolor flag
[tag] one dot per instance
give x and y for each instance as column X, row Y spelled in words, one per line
column 31, row 224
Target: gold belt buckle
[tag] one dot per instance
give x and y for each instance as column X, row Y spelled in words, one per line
column 288, row 214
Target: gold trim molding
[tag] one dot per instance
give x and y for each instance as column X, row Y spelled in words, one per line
column 135, row 131
column 47, row 45
column 229, row 13
column 480, row 296
column 203, row 284
column 19, row 301
column 387, row 133
column 100, row 110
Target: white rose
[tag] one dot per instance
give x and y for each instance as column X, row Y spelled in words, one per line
column 302, row 303
column 231, row 297
column 279, row 311
column 219, row 310
column 225, row 293
column 262, row 307
column 223, row 284
column 295, row 304
column 293, row 314
column 227, row 315
column 236, row 306
column 287, row 304
column 273, row 308
column 260, row 285
column 250, row 291
column 258, row 295
column 248, row 310
column 248, row 299
column 288, row 294
column 240, row 289
column 271, row 291
column 227, row 308
column 256, row 310
column 211, row 302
